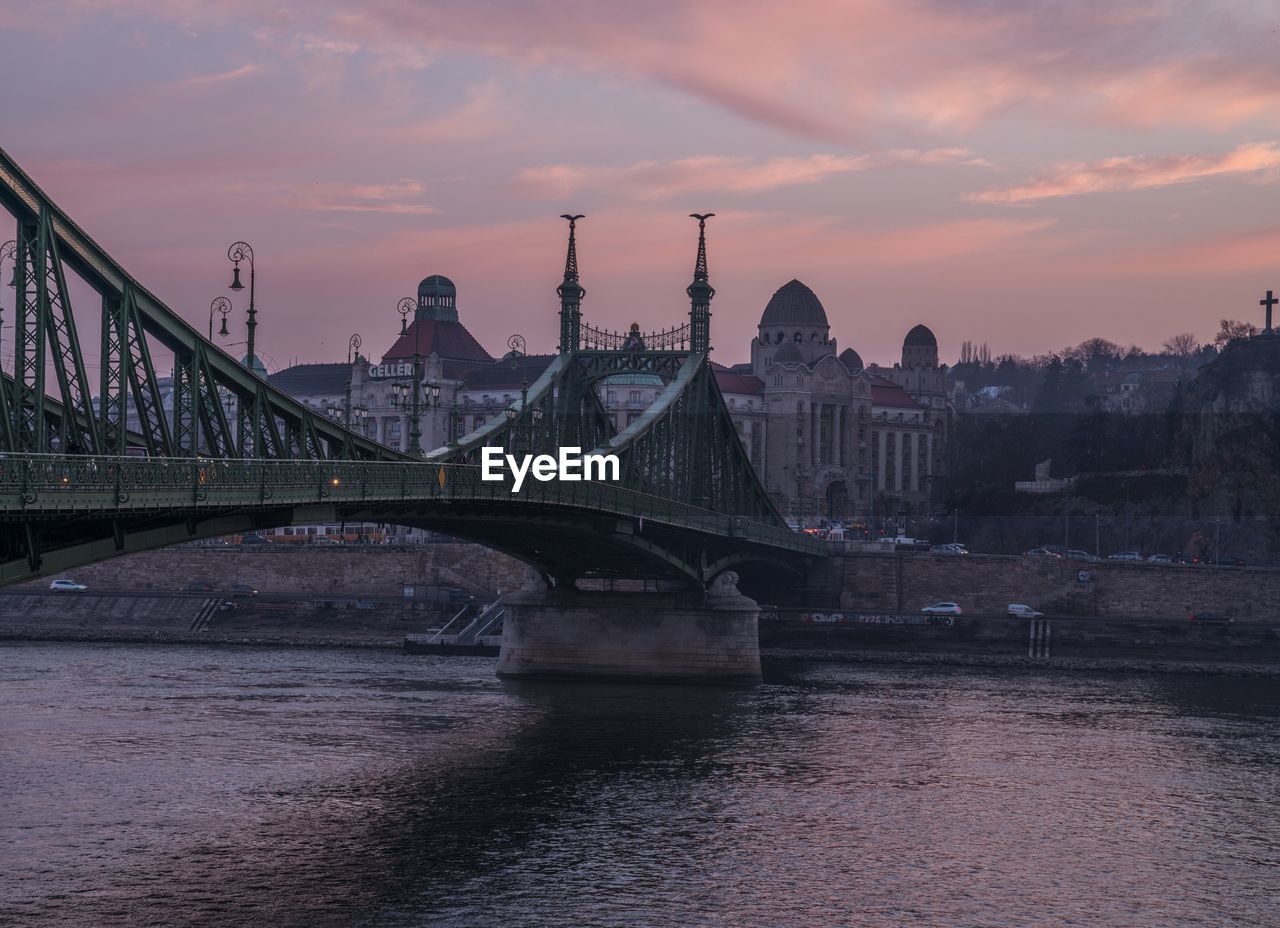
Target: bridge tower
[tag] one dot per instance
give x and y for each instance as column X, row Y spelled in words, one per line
column 700, row 293
column 571, row 293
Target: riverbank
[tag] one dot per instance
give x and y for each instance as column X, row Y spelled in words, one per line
column 139, row 636
column 1066, row 664
column 829, row 655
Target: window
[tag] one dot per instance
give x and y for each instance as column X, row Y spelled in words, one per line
column 799, row 338
column 611, row 398
column 634, row 397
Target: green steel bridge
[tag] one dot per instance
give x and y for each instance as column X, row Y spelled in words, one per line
column 91, row 470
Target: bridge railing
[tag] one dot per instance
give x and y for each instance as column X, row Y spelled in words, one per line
column 48, row 485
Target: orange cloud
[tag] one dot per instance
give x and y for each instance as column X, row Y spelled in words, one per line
column 1137, row 173
column 349, row 198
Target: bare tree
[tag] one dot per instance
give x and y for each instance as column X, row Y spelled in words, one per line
column 1093, row 348
column 1229, row 329
column 1182, row 345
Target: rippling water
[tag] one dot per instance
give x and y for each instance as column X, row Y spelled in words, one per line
column 229, row 787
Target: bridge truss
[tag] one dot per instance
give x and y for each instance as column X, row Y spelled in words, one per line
column 86, row 476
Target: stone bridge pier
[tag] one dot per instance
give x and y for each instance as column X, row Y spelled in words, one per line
column 691, row 637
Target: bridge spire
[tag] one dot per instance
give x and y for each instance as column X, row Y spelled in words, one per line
column 700, row 293
column 571, row 293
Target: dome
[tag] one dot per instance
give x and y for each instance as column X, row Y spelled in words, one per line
column 436, row 285
column 787, row 354
column 851, row 360
column 437, row 299
column 921, row 336
column 257, row 367
column 794, row 304
column 634, row 380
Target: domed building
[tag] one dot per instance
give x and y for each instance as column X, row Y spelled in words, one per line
column 833, row 438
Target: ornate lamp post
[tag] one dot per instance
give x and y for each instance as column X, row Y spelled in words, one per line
column 9, row 250
column 353, row 349
column 404, row 307
column 219, row 305
column 240, row 251
column 415, row 416
column 528, row 418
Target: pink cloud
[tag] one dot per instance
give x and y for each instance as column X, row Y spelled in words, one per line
column 1138, row 173
column 842, row 69
column 707, row 173
column 839, row 70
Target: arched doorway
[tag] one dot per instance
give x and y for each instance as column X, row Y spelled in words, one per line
column 837, row 501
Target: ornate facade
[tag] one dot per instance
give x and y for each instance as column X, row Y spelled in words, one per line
column 831, row 438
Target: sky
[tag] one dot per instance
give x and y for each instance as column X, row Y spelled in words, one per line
column 1025, row 174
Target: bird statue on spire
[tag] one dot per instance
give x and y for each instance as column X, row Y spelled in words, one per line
column 571, row 291
column 700, row 292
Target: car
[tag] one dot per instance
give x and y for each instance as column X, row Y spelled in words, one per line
column 1075, row 554
column 1160, row 559
column 325, row 540
column 243, row 589
column 253, row 538
column 1023, row 611
column 1124, row 556
column 67, row 586
column 949, row 549
column 1210, row 618
column 942, row 609
column 228, row 606
column 1040, row 552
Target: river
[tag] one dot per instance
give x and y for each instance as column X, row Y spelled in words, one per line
column 232, row 786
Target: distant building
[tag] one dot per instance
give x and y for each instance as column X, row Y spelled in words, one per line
column 830, row 438
column 1136, row 392
column 833, row 439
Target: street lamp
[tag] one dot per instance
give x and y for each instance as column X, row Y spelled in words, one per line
column 219, row 305
column 406, row 305
column 240, row 251
column 415, row 416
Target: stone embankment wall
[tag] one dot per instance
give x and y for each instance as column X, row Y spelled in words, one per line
column 374, row 570
column 1131, row 639
column 908, row 581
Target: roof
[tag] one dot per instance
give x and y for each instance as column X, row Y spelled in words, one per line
column 851, row 360
column 920, row 335
column 794, row 304
column 506, row 375
column 437, row 284
column 885, row 393
column 733, row 382
column 634, row 379
column 312, row 379
column 445, row 337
